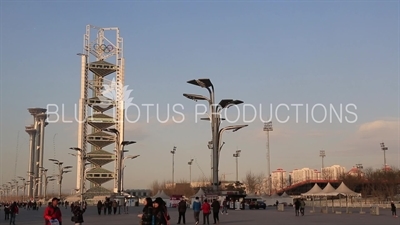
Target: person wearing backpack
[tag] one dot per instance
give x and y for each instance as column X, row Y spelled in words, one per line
column 13, row 213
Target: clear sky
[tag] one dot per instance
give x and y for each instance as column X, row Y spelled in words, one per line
column 264, row 53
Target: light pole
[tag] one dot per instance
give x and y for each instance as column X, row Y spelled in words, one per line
column 46, row 182
column 267, row 128
column 16, row 187
column 173, row 165
column 215, row 118
column 384, row 149
column 83, row 157
column 190, row 171
column 237, row 155
column 61, row 170
column 123, row 166
column 119, row 157
column 322, row 155
column 24, row 187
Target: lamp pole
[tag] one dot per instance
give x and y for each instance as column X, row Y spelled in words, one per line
column 61, row 171
column 190, row 171
column 267, row 128
column 24, row 187
column 322, row 155
column 384, row 149
column 173, row 165
column 215, row 119
column 83, row 157
column 237, row 155
column 123, row 166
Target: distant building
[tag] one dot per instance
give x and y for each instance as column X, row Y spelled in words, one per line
column 333, row 172
column 355, row 172
column 278, row 179
column 139, row 192
column 304, row 174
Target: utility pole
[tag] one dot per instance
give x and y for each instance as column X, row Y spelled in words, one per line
column 384, row 149
column 237, row 155
column 267, row 129
column 322, row 155
column 173, row 165
column 190, row 171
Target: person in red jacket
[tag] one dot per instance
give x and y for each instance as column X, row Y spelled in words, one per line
column 52, row 214
column 206, row 208
column 13, row 212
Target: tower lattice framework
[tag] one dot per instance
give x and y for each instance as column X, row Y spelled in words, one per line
column 102, row 66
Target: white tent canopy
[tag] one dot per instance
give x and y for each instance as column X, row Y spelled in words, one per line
column 284, row 195
column 329, row 190
column 163, row 196
column 344, row 190
column 200, row 194
column 314, row 190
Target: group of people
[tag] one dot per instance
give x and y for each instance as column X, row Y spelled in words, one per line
column 299, row 205
column 109, row 207
column 154, row 212
column 53, row 216
column 10, row 212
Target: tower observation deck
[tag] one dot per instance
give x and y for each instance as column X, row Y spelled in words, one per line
column 102, row 67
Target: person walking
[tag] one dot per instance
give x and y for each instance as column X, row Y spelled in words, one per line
column 196, row 206
column 78, row 214
column 6, row 212
column 99, row 206
column 215, row 208
column 13, row 212
column 159, row 212
column 114, row 206
column 52, row 214
column 147, row 216
column 206, row 208
column 393, row 208
column 225, row 207
column 302, row 206
column 297, row 207
column 182, row 211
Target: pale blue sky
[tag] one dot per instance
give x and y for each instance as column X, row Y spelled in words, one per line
column 259, row 52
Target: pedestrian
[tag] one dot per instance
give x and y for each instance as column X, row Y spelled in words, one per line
column 159, row 213
column 297, row 206
column 393, row 207
column 13, row 212
column 302, row 206
column 114, row 206
column 206, row 208
column 52, row 214
column 99, row 206
column 196, row 206
column 78, row 214
column 215, row 207
column 147, row 213
column 182, row 211
column 225, row 207
column 6, row 212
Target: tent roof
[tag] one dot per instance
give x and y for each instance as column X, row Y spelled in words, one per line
column 327, row 189
column 344, row 190
column 161, row 194
column 284, row 195
column 314, row 190
column 200, row 193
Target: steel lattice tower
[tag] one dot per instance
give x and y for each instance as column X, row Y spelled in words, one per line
column 102, row 57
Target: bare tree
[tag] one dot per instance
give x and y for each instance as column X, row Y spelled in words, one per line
column 253, row 182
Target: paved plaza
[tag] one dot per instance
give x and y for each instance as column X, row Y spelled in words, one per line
column 245, row 217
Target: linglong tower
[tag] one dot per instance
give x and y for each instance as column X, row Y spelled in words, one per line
column 101, row 106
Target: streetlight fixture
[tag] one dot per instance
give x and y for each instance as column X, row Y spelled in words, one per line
column 123, row 167
column 83, row 157
column 237, row 155
column 61, row 170
column 24, row 187
column 190, row 171
column 173, row 165
column 322, row 155
column 268, row 128
column 384, row 149
column 215, row 118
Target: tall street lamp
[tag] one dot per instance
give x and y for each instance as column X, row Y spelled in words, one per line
column 322, row 155
column 119, row 157
column 123, row 167
column 16, row 186
column 268, row 128
column 215, row 118
column 190, row 171
column 237, row 155
column 24, row 187
column 83, row 157
column 61, row 170
column 384, row 149
column 173, row 165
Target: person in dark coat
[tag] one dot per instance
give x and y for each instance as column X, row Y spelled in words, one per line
column 99, row 207
column 215, row 208
column 182, row 211
column 393, row 208
column 297, row 206
column 78, row 214
column 159, row 212
column 147, row 213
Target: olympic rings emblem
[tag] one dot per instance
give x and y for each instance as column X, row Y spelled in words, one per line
column 103, row 47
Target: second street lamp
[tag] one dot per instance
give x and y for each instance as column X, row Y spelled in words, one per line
column 215, row 118
column 237, row 155
column 190, row 171
column 173, row 165
column 61, row 171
